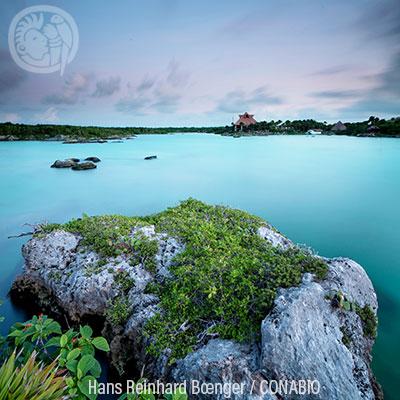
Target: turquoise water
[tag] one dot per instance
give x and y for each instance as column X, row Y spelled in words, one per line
column 340, row 195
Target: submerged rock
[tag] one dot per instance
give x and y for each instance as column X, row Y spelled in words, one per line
column 303, row 336
column 93, row 159
column 65, row 163
column 84, row 165
column 76, row 141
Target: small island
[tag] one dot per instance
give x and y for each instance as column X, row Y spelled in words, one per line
column 207, row 292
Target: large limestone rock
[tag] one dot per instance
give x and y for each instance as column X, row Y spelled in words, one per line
column 225, row 362
column 301, row 338
column 66, row 278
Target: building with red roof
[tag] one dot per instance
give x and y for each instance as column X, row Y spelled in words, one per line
column 245, row 120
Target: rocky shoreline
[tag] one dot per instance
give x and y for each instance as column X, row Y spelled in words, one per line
column 316, row 330
column 66, row 139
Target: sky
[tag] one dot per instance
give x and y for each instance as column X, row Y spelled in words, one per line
column 201, row 63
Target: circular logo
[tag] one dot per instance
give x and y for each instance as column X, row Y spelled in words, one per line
column 43, row 39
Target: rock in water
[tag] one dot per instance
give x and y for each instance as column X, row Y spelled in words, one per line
column 84, row 165
column 150, row 157
column 64, row 163
column 93, row 159
column 303, row 336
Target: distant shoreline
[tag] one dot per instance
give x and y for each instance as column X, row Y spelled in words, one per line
column 123, row 139
column 70, row 134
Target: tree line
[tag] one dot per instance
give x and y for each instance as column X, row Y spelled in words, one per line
column 374, row 125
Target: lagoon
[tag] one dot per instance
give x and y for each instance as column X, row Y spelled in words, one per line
column 339, row 195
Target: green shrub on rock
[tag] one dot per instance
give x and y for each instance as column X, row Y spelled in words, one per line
column 118, row 310
column 369, row 320
column 102, row 233
column 123, row 281
column 222, row 284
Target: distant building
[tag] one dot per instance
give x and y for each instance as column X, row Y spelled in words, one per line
column 339, row 127
column 314, row 132
column 372, row 130
column 245, row 120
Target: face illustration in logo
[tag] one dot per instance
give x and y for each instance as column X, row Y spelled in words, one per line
column 43, row 39
column 32, row 44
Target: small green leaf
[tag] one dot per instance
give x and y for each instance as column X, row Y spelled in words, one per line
column 86, row 331
column 71, row 365
column 96, row 369
column 54, row 341
column 87, row 349
column 54, row 327
column 86, row 363
column 347, row 305
column 89, row 387
column 101, row 344
column 70, row 382
column 179, row 396
column 73, row 354
column 63, row 340
column 15, row 333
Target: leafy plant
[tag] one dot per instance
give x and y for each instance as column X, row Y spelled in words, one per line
column 35, row 334
column 32, row 380
column 74, row 351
